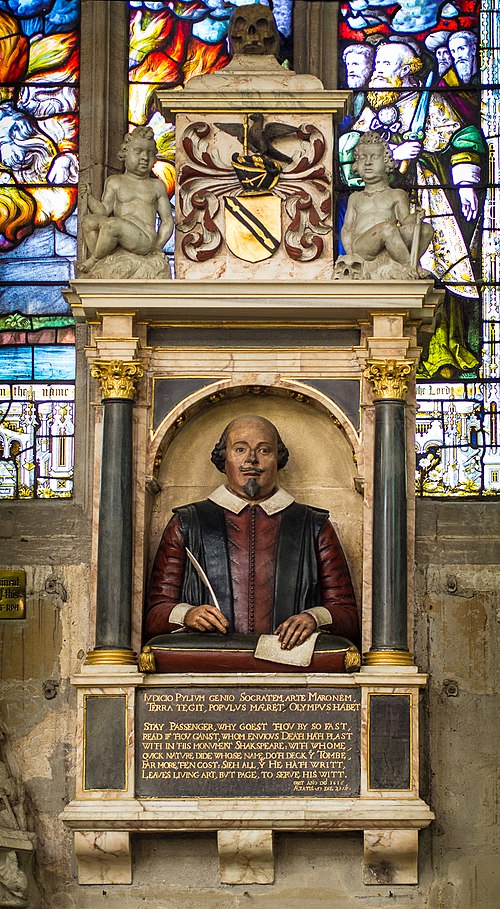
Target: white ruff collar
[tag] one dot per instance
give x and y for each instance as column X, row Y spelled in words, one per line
column 275, row 503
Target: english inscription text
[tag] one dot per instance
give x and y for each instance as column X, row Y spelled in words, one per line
column 246, row 742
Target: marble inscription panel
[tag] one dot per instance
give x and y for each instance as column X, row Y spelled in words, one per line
column 105, row 741
column 247, row 742
column 390, row 741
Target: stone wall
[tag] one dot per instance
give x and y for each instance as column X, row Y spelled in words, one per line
column 457, row 613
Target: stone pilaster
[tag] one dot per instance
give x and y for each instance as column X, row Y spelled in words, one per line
column 117, row 380
column 389, row 379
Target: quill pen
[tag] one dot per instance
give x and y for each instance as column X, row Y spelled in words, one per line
column 201, row 574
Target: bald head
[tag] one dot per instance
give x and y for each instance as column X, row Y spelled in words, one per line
column 250, row 452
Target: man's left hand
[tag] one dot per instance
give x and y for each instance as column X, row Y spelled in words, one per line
column 468, row 201
column 295, row 630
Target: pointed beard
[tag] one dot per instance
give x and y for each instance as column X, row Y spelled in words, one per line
column 379, row 99
column 252, row 487
column 464, row 69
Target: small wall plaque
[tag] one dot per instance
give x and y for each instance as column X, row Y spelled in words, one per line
column 12, row 593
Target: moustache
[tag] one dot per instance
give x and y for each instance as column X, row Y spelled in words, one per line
column 251, row 470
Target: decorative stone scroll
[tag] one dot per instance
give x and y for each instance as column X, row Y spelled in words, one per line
column 254, row 164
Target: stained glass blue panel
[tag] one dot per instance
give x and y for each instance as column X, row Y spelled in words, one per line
column 53, row 363
column 16, row 364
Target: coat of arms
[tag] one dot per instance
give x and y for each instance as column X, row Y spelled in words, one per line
column 255, row 198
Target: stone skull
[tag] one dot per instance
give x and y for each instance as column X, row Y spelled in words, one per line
column 348, row 268
column 252, row 30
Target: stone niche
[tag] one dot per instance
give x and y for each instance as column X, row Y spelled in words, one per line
column 322, row 468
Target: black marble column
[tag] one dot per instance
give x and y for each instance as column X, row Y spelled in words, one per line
column 114, row 550
column 389, row 547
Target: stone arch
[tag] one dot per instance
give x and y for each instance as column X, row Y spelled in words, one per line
column 224, row 389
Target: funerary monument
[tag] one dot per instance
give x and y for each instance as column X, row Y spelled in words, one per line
column 251, row 669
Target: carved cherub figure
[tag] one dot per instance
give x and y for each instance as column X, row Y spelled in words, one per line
column 132, row 203
column 379, row 228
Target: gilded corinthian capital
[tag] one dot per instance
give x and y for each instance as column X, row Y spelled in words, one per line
column 117, row 378
column 390, row 378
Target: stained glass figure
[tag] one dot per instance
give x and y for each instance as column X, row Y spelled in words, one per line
column 414, row 70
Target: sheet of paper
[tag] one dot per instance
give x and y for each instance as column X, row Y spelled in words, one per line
column 269, row 648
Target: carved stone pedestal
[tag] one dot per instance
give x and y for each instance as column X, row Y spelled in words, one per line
column 355, row 769
column 103, row 857
column 246, row 856
column 391, row 857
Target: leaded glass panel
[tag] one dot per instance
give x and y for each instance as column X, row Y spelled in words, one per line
column 39, row 71
column 416, row 70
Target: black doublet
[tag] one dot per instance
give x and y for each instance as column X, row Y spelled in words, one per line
column 296, row 585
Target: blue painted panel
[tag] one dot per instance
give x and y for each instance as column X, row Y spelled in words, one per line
column 54, row 362
column 40, row 243
column 34, row 300
column 15, row 364
column 56, row 270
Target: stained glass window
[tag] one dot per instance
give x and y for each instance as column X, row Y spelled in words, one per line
column 39, row 69
column 416, row 69
column 172, row 41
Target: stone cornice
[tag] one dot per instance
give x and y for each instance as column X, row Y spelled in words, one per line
column 255, row 301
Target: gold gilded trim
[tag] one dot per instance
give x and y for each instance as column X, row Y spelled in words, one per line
column 147, row 661
column 117, row 378
column 390, row 378
column 388, row 658
column 352, row 659
column 111, row 658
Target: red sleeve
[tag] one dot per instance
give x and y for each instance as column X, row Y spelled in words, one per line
column 337, row 594
column 166, row 580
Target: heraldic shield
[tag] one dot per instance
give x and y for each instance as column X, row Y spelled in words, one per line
column 253, row 226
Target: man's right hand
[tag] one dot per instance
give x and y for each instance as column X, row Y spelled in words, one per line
column 206, row 618
column 407, row 150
